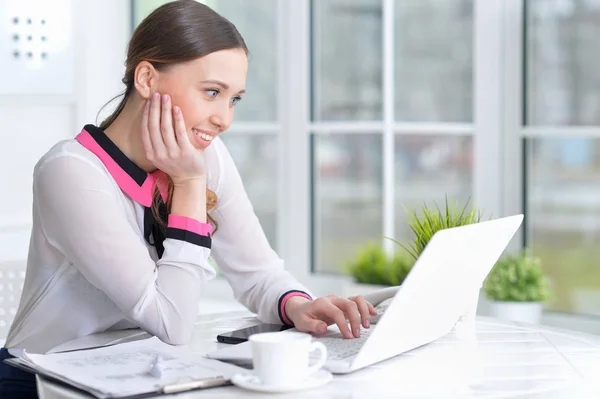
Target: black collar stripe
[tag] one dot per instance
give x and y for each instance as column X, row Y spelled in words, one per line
column 138, row 174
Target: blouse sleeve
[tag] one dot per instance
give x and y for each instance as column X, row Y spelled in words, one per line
column 241, row 250
column 82, row 217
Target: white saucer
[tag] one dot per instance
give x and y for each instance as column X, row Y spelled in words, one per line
column 251, row 382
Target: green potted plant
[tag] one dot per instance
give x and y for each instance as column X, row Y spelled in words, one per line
column 373, row 266
column 517, row 287
column 429, row 220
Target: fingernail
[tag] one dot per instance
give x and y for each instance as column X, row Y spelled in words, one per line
column 357, row 332
column 165, row 98
column 368, row 323
column 156, row 96
column 176, row 110
column 321, row 330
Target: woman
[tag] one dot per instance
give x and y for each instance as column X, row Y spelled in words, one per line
column 126, row 214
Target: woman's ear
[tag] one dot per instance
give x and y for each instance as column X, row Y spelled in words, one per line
column 145, row 79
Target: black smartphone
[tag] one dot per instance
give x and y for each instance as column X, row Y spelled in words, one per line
column 242, row 335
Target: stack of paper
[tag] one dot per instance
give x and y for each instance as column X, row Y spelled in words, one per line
column 125, row 369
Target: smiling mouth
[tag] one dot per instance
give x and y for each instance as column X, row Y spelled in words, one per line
column 202, row 135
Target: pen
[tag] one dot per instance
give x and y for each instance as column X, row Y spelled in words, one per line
column 187, row 386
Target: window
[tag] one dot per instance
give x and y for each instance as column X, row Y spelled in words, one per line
column 347, row 190
column 140, row 9
column 376, row 111
column 347, row 60
column 433, row 73
column 434, row 60
column 562, row 74
column 429, row 122
column 563, row 147
column 429, row 168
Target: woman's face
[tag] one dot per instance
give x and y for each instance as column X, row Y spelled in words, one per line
column 207, row 90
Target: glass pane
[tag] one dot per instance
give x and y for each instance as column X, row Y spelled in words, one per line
column 260, row 178
column 434, row 60
column 563, row 37
column 429, row 168
column 563, row 210
column 347, row 60
column 143, row 8
column 257, row 22
column 347, row 197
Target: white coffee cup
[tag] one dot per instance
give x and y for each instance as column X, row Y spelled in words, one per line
column 282, row 358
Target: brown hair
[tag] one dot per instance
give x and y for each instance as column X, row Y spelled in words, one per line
column 176, row 32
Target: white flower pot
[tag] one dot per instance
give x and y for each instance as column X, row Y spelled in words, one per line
column 527, row 312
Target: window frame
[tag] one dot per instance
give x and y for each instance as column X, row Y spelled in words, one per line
column 485, row 119
column 516, row 133
column 498, row 131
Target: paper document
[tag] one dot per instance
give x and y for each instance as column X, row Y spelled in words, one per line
column 125, row 369
column 106, row 338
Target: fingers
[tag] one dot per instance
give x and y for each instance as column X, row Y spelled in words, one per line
column 158, row 145
column 329, row 310
column 181, row 133
column 166, row 127
column 350, row 308
column 312, row 325
column 372, row 310
column 340, row 311
column 363, row 308
column 145, row 132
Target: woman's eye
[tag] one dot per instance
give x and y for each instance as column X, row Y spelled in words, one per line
column 236, row 100
column 212, row 92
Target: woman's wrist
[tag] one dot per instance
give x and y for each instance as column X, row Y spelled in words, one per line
column 189, row 182
column 189, row 199
column 293, row 304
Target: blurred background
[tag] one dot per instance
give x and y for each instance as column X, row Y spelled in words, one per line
column 355, row 109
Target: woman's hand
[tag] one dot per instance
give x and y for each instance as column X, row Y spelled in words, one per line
column 314, row 316
column 167, row 143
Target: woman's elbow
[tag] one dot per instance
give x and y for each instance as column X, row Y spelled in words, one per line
column 173, row 330
column 169, row 318
column 176, row 335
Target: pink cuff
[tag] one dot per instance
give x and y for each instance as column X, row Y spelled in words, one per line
column 284, row 300
column 189, row 224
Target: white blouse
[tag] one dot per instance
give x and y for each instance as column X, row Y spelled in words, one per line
column 91, row 269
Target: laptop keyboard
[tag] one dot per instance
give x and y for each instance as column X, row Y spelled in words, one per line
column 339, row 348
column 381, row 308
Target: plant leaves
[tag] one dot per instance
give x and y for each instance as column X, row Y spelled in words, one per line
column 517, row 277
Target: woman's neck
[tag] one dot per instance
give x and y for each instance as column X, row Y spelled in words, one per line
column 126, row 133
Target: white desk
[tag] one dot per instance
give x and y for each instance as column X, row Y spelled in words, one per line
column 502, row 360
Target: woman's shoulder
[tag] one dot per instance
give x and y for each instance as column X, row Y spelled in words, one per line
column 68, row 156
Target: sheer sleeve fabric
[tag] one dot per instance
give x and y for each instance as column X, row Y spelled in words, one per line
column 240, row 248
column 82, row 217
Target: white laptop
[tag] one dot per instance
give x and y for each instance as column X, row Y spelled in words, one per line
column 439, row 289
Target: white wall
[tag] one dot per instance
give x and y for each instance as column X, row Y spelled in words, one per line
column 31, row 124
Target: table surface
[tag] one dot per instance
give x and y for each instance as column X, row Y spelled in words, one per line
column 498, row 360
